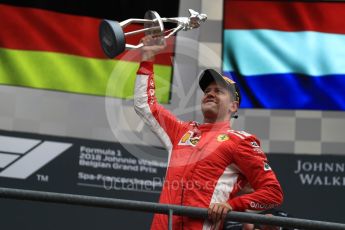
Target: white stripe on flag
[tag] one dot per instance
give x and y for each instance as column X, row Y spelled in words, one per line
column 259, row 52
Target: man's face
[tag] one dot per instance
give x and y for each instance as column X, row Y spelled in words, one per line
column 217, row 103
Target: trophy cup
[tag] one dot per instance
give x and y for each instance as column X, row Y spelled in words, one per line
column 113, row 38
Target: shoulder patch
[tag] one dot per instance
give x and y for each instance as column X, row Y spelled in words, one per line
column 267, row 167
column 241, row 134
column 254, row 144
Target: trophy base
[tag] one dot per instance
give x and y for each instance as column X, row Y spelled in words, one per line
column 112, row 38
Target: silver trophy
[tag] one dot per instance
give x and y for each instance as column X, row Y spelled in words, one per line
column 113, row 38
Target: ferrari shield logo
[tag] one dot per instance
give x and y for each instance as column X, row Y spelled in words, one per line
column 222, row 137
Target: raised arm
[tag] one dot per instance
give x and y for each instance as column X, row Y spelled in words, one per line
column 160, row 120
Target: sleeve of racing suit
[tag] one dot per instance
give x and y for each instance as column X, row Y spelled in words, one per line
column 253, row 164
column 160, row 120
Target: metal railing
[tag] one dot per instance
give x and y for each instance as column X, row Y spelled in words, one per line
column 169, row 210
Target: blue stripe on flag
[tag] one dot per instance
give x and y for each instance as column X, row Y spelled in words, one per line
column 291, row 91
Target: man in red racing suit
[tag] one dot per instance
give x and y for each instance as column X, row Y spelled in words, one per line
column 209, row 163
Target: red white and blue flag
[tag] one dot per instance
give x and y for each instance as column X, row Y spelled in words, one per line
column 286, row 54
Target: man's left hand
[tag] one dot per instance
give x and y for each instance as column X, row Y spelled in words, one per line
column 217, row 213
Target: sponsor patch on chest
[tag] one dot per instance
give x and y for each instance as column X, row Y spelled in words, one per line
column 190, row 138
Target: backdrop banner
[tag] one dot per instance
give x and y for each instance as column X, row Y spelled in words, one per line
column 313, row 184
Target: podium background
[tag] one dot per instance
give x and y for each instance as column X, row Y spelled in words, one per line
column 288, row 136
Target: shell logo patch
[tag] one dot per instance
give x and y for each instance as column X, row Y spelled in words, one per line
column 189, row 138
column 194, row 140
column 222, row 137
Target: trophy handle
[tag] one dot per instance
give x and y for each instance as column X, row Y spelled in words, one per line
column 153, row 25
column 113, row 38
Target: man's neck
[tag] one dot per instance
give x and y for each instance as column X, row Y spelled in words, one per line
column 214, row 120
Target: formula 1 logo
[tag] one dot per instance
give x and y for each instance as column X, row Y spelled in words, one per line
column 21, row 157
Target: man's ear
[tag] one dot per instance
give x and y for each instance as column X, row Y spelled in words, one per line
column 233, row 107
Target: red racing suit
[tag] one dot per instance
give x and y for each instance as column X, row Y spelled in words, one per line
column 207, row 163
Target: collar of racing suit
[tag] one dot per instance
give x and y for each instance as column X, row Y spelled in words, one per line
column 214, row 126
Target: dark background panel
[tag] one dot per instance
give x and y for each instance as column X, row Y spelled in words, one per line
column 63, row 171
column 63, row 178
column 35, row 215
column 117, row 10
column 319, row 198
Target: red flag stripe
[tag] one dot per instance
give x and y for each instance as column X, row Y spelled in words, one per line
column 285, row 15
column 41, row 30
